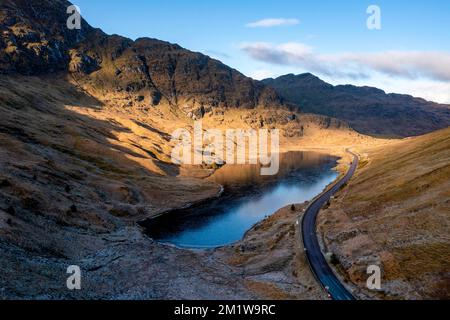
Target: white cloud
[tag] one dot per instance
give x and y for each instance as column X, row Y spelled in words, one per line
column 404, row 64
column 291, row 53
column 217, row 54
column 283, row 54
column 423, row 74
column 437, row 91
column 261, row 74
column 273, row 22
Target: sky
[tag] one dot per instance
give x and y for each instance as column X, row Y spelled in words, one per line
column 408, row 52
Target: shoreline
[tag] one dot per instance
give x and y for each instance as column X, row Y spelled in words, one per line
column 272, row 266
column 339, row 162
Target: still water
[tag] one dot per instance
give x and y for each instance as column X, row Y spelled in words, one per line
column 248, row 198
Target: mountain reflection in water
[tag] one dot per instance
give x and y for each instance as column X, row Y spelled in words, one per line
column 247, row 199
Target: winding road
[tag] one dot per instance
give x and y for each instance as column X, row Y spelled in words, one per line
column 317, row 261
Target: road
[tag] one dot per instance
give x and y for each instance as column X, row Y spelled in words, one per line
column 317, row 261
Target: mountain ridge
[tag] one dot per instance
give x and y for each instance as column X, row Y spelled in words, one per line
column 147, row 72
column 367, row 109
column 37, row 42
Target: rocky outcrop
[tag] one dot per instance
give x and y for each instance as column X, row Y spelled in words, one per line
column 34, row 37
column 35, row 40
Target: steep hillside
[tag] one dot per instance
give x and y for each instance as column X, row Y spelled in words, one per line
column 34, row 39
column 85, row 144
column 395, row 213
column 367, row 110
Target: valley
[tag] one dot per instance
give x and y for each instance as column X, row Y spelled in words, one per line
column 86, row 155
column 63, row 205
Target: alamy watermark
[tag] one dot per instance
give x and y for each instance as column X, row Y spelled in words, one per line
column 374, row 20
column 374, row 280
column 231, row 146
column 74, row 280
column 74, row 20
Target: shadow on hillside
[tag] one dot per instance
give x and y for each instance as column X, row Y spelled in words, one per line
column 34, row 112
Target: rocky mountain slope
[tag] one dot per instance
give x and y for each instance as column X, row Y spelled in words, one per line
column 367, row 110
column 34, row 39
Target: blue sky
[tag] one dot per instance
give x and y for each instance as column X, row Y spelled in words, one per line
column 328, row 38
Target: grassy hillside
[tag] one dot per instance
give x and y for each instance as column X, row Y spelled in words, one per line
column 396, row 213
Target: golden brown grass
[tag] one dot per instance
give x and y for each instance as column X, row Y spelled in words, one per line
column 398, row 208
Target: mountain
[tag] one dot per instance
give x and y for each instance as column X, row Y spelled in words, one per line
column 35, row 40
column 85, row 153
column 366, row 109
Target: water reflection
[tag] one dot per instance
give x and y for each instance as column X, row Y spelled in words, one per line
column 248, row 198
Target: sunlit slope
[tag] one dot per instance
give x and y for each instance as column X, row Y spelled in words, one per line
column 396, row 213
